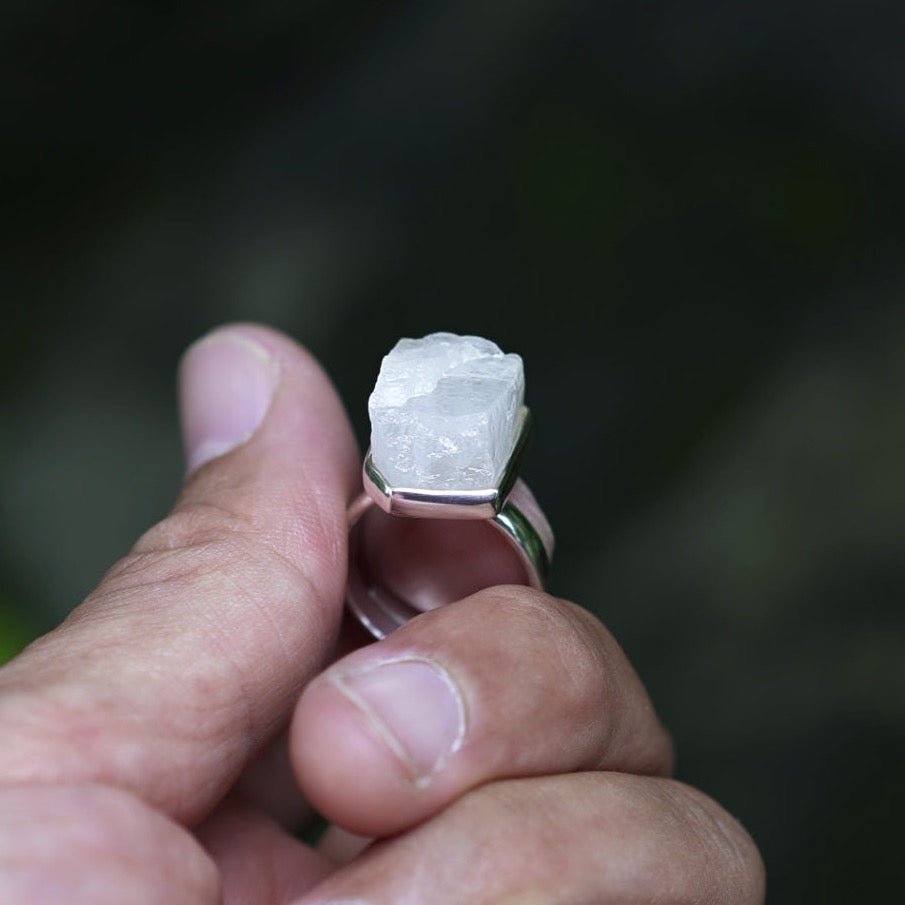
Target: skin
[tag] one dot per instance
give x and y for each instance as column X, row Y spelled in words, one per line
column 159, row 746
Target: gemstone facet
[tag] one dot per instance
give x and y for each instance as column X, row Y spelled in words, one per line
column 444, row 412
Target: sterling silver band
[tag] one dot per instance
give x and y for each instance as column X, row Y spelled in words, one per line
column 519, row 519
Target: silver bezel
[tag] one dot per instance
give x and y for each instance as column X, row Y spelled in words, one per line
column 412, row 502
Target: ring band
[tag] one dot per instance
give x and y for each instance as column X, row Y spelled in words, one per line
column 448, row 429
column 519, row 520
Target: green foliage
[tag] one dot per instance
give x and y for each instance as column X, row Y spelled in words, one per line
column 14, row 634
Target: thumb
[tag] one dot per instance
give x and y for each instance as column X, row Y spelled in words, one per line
column 191, row 652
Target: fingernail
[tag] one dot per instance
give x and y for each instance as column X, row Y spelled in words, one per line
column 226, row 383
column 414, row 707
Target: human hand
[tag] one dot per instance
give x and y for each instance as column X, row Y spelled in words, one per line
column 500, row 749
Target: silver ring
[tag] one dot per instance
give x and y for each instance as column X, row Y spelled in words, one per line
column 508, row 507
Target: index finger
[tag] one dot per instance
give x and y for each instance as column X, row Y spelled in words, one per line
column 189, row 655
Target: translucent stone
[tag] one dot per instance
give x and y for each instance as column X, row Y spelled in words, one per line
column 444, row 412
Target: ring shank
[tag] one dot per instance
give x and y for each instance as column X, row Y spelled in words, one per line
column 520, row 521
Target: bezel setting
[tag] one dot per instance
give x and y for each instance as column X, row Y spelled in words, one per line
column 486, row 503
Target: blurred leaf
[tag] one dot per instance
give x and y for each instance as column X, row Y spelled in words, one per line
column 14, row 634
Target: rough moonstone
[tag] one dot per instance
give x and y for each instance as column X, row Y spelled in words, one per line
column 444, row 412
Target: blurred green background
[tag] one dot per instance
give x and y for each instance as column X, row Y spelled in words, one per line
column 687, row 216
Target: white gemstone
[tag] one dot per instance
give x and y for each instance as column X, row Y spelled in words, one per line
column 444, row 412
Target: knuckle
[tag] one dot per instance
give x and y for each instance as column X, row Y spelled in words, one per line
column 196, row 576
column 193, row 527
column 185, row 545
column 190, row 584
column 549, row 624
column 554, row 636
column 201, row 543
column 577, row 674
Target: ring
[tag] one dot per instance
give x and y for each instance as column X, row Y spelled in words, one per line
column 475, row 492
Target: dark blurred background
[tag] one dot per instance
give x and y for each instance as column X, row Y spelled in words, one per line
column 686, row 215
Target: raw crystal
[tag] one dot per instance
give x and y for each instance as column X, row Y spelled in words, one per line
column 444, row 412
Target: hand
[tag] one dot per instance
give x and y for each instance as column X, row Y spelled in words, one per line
column 501, row 749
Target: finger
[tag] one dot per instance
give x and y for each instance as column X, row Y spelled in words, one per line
column 340, row 846
column 187, row 658
column 509, row 682
column 605, row 838
column 93, row 845
column 269, row 784
column 258, row 861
